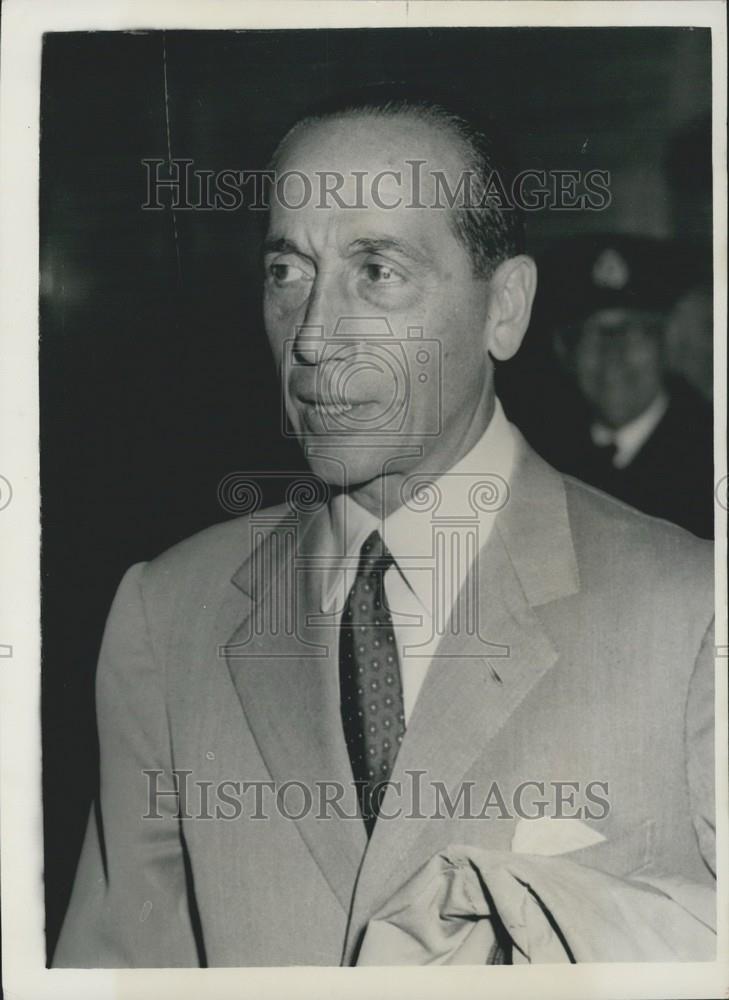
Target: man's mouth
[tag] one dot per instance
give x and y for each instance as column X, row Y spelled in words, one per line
column 329, row 405
column 336, row 416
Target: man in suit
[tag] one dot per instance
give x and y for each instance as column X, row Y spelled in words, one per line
column 646, row 436
column 298, row 708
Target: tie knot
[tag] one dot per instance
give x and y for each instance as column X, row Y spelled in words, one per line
column 374, row 554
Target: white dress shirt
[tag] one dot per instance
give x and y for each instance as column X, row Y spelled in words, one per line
column 434, row 540
column 631, row 437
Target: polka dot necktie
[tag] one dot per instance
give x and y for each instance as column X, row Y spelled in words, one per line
column 373, row 714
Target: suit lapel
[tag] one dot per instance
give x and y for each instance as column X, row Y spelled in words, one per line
column 472, row 686
column 285, row 672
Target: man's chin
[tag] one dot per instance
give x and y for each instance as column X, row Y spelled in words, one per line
column 348, row 461
column 616, row 417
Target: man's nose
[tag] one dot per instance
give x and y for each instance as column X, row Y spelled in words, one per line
column 319, row 322
column 614, row 350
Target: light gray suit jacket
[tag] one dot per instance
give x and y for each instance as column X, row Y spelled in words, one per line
column 605, row 616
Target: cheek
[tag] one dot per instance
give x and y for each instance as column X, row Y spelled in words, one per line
column 463, row 340
column 281, row 304
column 277, row 326
column 647, row 362
column 587, row 365
column 277, row 344
column 273, row 311
column 462, row 310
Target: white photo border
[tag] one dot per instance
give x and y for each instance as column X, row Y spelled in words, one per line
column 21, row 828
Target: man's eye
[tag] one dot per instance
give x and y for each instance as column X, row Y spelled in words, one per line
column 286, row 274
column 382, row 274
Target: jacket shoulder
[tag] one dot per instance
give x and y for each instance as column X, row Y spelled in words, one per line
column 213, row 554
column 614, row 537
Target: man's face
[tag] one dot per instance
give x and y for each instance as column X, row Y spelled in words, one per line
column 619, row 364
column 346, row 288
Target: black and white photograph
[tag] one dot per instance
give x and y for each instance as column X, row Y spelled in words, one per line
column 363, row 499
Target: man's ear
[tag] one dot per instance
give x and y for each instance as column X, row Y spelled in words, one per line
column 511, row 293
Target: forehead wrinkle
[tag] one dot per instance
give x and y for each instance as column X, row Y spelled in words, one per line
column 292, row 231
column 371, row 142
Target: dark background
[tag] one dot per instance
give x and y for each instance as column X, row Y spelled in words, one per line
column 155, row 376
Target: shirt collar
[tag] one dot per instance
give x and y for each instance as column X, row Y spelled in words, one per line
column 407, row 532
column 630, row 438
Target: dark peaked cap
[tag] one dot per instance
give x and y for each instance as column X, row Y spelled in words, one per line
column 584, row 274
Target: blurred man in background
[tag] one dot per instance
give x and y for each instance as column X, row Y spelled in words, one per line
column 690, row 338
column 646, row 436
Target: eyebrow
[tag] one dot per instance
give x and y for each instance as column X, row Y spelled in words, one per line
column 382, row 244
column 281, row 245
column 365, row 244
